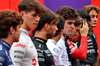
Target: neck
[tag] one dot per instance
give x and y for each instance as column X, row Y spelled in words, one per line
column 25, row 27
column 41, row 34
column 56, row 38
column 64, row 35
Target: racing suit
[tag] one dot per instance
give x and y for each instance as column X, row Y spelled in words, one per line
column 45, row 57
column 23, row 53
column 51, row 44
column 5, row 59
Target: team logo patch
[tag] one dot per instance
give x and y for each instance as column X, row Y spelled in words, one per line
column 56, row 50
column 20, row 45
column 47, row 51
column 34, row 61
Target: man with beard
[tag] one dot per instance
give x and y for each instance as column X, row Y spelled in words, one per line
column 45, row 30
column 51, row 43
column 79, row 38
column 92, row 50
column 69, row 14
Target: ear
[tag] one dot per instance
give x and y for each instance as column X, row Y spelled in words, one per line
column 11, row 30
column 46, row 26
column 22, row 13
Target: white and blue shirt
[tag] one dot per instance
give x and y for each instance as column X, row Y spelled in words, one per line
column 51, row 44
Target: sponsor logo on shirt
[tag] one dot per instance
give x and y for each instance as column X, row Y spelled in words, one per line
column 6, row 53
column 47, row 51
column 20, row 45
column 10, row 65
column 0, row 64
column 2, row 59
column 56, row 50
column 18, row 51
column 0, row 47
column 34, row 61
column 17, row 56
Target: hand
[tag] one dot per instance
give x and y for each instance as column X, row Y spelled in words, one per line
column 84, row 30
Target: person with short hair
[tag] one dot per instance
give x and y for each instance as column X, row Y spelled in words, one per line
column 51, row 43
column 92, row 50
column 69, row 14
column 45, row 30
column 10, row 23
column 24, row 53
column 78, row 43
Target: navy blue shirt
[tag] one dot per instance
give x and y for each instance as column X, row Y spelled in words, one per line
column 5, row 59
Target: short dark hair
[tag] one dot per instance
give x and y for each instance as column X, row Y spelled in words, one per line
column 88, row 8
column 84, row 15
column 78, row 21
column 8, row 18
column 67, row 12
column 28, row 5
column 48, row 17
column 60, row 25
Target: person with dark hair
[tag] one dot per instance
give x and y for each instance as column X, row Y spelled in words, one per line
column 10, row 22
column 23, row 53
column 92, row 50
column 45, row 30
column 51, row 43
column 69, row 14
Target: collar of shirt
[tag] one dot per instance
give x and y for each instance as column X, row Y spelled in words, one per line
column 62, row 37
column 25, row 31
column 52, row 41
column 40, row 40
column 5, row 44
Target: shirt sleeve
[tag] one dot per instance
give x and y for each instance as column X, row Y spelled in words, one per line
column 79, row 53
column 2, row 58
column 17, row 52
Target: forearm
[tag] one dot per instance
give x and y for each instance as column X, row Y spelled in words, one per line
column 82, row 51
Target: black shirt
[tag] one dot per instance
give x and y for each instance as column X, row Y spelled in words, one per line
column 45, row 57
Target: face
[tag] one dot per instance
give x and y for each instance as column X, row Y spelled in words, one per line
column 31, row 20
column 68, row 27
column 75, row 37
column 52, row 30
column 16, row 33
column 94, row 18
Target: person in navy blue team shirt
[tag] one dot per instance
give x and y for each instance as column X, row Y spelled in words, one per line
column 10, row 22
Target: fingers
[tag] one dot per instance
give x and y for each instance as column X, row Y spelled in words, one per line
column 85, row 23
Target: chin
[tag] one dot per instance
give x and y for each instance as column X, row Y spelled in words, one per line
column 76, row 38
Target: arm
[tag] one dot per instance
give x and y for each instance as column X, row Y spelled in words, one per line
column 82, row 51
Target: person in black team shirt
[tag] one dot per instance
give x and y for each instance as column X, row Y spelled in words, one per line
column 92, row 50
column 45, row 30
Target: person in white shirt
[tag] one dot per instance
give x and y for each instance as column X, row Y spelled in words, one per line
column 23, row 53
column 51, row 43
column 69, row 14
